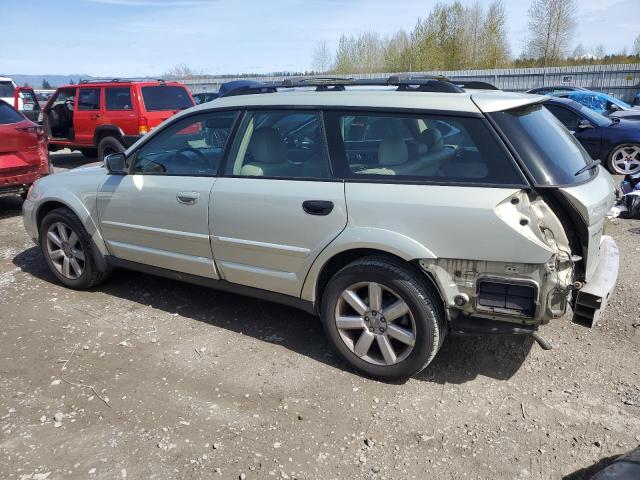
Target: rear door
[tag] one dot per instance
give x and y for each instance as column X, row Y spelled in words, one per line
column 277, row 206
column 27, row 103
column 158, row 214
column 21, row 148
column 118, row 109
column 87, row 114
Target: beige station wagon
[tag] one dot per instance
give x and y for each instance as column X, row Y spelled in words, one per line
column 399, row 210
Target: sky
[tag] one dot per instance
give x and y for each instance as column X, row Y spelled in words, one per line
column 148, row 37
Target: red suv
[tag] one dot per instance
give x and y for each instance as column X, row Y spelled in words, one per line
column 106, row 116
column 23, row 152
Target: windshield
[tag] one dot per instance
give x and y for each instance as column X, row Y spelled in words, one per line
column 166, row 97
column 551, row 154
column 6, row 89
column 600, row 102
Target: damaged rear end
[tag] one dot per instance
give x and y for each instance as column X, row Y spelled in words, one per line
column 566, row 209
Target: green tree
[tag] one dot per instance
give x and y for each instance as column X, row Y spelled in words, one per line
column 46, row 85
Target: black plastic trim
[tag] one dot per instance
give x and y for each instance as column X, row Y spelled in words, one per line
column 222, row 285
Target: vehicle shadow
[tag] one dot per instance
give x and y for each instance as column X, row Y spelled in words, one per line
column 588, row 472
column 10, row 206
column 460, row 359
column 70, row 160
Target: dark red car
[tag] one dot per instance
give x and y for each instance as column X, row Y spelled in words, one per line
column 23, row 152
column 99, row 117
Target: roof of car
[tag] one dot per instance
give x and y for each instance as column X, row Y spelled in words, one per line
column 119, row 82
column 470, row 101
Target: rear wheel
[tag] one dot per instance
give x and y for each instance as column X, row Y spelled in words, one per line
column 107, row 146
column 624, row 159
column 68, row 250
column 383, row 317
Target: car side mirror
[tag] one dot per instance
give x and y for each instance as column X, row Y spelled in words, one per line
column 614, row 108
column 116, row 163
column 584, row 123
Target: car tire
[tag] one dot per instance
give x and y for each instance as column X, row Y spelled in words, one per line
column 89, row 152
column 64, row 252
column 618, row 165
column 422, row 326
column 107, row 146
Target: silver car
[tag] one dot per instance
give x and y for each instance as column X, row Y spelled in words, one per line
column 399, row 213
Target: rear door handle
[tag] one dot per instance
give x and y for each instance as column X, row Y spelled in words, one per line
column 317, row 207
column 187, row 198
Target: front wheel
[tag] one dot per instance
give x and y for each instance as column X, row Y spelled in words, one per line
column 68, row 250
column 383, row 317
column 624, row 159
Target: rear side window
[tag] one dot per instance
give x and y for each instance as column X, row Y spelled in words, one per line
column 117, row 98
column 429, row 148
column 89, row 99
column 165, row 97
column 6, row 89
column 568, row 118
column 551, row 154
column 8, row 114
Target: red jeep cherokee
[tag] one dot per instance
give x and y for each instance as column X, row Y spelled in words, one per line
column 106, row 116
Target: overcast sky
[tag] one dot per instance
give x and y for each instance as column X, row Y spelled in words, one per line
column 147, row 37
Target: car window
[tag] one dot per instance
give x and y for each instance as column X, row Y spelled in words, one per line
column 6, row 89
column 280, row 144
column 117, row 98
column 29, row 100
column 192, row 146
column 89, row 99
column 8, row 114
column 431, row 148
column 567, row 117
column 63, row 96
column 166, row 97
column 551, row 154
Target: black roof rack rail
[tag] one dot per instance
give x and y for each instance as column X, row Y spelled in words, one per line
column 121, row 79
column 403, row 82
column 250, row 89
column 476, row 85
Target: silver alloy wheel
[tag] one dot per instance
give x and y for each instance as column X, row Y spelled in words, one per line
column 626, row 160
column 375, row 323
column 65, row 250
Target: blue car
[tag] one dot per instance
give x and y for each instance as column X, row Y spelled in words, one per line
column 604, row 104
column 614, row 141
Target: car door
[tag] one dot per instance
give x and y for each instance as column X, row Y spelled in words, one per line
column 158, row 213
column 87, row 114
column 590, row 138
column 277, row 206
column 118, row 109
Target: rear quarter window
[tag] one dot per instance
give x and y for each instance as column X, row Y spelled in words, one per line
column 6, row 89
column 550, row 153
column 165, row 97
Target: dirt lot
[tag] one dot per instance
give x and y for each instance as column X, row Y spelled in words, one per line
column 149, row 378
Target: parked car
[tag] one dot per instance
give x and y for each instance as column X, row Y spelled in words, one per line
column 615, row 141
column 43, row 96
column 204, row 97
column 349, row 204
column 22, row 99
column 100, row 117
column 555, row 89
column 605, row 104
column 23, row 152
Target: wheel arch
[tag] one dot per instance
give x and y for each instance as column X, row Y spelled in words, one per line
column 79, row 210
column 323, row 269
column 103, row 131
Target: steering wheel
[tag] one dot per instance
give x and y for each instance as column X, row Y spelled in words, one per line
column 180, row 160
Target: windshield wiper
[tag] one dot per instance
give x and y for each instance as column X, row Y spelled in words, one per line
column 586, row 168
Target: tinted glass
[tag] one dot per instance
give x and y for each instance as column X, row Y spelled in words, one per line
column 8, row 114
column 117, row 98
column 166, row 97
column 431, row 148
column 280, row 144
column 567, row 117
column 29, row 100
column 192, row 147
column 551, row 154
column 89, row 99
column 6, row 89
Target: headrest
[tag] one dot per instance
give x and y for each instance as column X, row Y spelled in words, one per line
column 432, row 138
column 267, row 146
column 393, row 151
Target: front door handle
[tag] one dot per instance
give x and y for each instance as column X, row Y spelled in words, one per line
column 187, row 198
column 317, row 207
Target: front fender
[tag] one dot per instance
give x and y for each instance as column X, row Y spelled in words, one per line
column 364, row 238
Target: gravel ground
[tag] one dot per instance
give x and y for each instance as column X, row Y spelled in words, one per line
column 145, row 377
